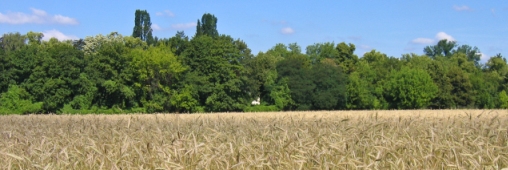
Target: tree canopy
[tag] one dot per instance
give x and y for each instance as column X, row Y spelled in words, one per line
column 212, row 72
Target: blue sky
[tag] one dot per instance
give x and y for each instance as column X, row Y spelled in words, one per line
column 392, row 27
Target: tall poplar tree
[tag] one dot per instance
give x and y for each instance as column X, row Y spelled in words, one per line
column 143, row 26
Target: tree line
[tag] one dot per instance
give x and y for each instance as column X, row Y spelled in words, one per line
column 212, row 72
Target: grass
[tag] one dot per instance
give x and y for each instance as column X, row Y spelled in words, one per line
column 421, row 139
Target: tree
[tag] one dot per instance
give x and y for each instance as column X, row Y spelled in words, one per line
column 361, row 88
column 473, row 53
column 56, row 77
column 17, row 101
column 155, row 70
column 330, row 87
column 410, row 89
column 346, row 59
column 320, row 51
column 296, row 68
column 442, row 48
column 503, row 99
column 207, row 26
column 12, row 42
column 214, row 66
column 143, row 27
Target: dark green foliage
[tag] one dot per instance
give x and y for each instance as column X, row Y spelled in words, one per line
column 207, row 26
column 443, row 48
column 143, row 26
column 330, row 87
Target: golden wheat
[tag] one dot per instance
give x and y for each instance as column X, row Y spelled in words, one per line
column 420, row 139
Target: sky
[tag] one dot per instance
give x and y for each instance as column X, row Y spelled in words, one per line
column 391, row 27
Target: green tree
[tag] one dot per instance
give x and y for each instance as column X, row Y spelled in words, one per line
column 296, row 69
column 361, row 93
column 214, row 64
column 473, row 53
column 503, row 99
column 17, row 101
column 143, row 26
column 410, row 89
column 12, row 42
column 108, row 67
column 442, row 48
column 346, row 59
column 155, row 69
column 55, row 78
column 207, row 26
column 320, row 51
column 330, row 87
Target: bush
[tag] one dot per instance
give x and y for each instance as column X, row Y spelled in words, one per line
column 17, row 101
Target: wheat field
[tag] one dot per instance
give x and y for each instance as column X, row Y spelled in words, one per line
column 418, row 139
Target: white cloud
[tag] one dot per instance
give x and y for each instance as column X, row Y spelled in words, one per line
column 287, row 30
column 183, row 26
column 165, row 13
column 156, row 27
column 422, row 41
column 462, row 8
column 36, row 17
column 484, row 57
column 58, row 35
column 443, row 35
column 427, row 41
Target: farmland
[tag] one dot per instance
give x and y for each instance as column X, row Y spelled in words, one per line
column 417, row 139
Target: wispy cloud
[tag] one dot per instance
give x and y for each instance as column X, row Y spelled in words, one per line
column 355, row 38
column 58, row 35
column 287, row 30
column 183, row 26
column 462, row 8
column 422, row 41
column 165, row 13
column 427, row 41
column 36, row 17
column 156, row 27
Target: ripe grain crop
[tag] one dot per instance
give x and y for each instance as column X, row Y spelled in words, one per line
column 420, row 139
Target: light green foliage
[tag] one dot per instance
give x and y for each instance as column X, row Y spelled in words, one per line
column 320, row 51
column 155, row 69
column 503, row 99
column 410, row 89
column 362, row 87
column 17, row 101
column 184, row 100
